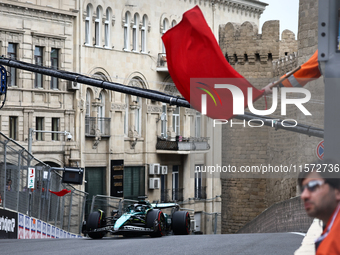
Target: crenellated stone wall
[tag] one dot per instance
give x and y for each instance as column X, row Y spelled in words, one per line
column 263, row 58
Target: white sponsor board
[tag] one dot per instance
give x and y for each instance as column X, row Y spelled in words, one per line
column 31, row 177
column 31, row 228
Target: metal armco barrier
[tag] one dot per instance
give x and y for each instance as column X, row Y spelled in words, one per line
column 65, row 213
column 285, row 216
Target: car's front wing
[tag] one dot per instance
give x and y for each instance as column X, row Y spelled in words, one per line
column 127, row 229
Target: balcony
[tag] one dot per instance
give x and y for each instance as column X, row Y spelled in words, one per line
column 177, row 194
column 200, row 193
column 165, row 196
column 162, row 65
column 100, row 124
column 182, row 144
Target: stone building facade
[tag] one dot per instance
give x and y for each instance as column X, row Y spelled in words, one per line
column 116, row 41
column 263, row 58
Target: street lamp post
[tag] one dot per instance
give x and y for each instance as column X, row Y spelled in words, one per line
column 31, row 131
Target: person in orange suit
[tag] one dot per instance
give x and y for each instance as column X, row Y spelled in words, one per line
column 308, row 71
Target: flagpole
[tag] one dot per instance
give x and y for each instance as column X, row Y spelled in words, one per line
column 285, row 77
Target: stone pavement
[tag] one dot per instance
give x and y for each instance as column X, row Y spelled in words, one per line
column 307, row 245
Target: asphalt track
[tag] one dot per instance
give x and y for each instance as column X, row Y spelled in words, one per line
column 240, row 244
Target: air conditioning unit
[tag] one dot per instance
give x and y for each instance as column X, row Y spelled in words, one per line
column 154, row 168
column 164, row 169
column 154, row 183
column 72, row 85
column 193, row 225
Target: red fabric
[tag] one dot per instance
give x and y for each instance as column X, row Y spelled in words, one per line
column 60, row 193
column 193, row 52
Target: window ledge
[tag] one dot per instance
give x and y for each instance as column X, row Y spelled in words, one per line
column 133, row 138
column 93, row 136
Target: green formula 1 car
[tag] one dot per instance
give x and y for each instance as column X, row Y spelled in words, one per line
column 140, row 218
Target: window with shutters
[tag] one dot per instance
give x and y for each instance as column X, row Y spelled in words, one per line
column 143, row 34
column 12, row 53
column 55, row 128
column 54, row 65
column 38, row 59
column 134, row 182
column 87, row 24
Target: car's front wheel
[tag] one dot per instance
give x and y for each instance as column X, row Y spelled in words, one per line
column 94, row 221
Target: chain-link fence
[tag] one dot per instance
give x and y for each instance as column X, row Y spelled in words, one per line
column 65, row 212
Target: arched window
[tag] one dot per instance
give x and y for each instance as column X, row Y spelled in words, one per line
column 107, row 28
column 88, row 104
column 126, row 31
column 143, row 34
column 138, row 115
column 173, row 23
column 88, row 120
column 87, row 24
column 133, row 112
column 198, row 124
column 97, row 26
column 176, row 121
column 101, row 113
column 165, row 28
column 164, row 120
column 134, row 32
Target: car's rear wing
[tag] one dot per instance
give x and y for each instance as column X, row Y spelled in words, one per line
column 164, row 205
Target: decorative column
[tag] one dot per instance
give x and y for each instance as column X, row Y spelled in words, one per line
column 132, row 119
column 98, row 137
column 171, row 133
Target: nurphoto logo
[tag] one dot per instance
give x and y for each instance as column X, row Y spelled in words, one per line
column 222, row 98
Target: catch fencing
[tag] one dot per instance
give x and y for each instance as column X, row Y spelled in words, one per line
column 16, row 163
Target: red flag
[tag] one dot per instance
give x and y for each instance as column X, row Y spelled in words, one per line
column 60, row 193
column 193, row 52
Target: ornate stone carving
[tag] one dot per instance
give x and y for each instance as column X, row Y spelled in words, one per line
column 171, row 89
column 97, row 139
column 118, row 107
column 81, row 105
column 190, row 111
column 154, row 109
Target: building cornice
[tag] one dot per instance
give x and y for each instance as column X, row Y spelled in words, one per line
column 252, row 6
column 34, row 7
column 15, row 31
column 48, row 35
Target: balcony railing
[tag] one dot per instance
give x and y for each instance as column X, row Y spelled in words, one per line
column 200, row 193
column 102, row 124
column 177, row 194
column 183, row 144
column 165, row 196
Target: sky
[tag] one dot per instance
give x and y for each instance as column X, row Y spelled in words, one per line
column 284, row 10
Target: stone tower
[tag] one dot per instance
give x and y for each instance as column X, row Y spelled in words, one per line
column 262, row 58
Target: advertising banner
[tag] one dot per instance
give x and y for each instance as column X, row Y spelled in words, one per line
column 44, row 229
column 33, row 227
column 38, row 233
column 8, row 224
column 27, row 227
column 48, row 231
column 21, row 222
